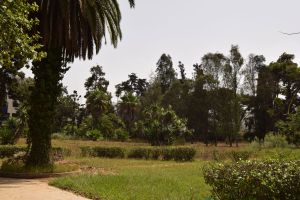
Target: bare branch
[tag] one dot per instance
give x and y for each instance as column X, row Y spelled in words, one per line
column 289, row 33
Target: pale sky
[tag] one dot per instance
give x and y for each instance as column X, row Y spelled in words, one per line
column 189, row 29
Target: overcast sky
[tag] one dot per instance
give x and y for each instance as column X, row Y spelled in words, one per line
column 189, row 29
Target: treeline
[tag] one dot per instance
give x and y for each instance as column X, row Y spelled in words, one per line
column 228, row 98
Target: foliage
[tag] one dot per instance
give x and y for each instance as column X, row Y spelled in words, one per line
column 178, row 154
column 7, row 151
column 68, row 30
column 254, row 180
column 105, row 152
column 291, row 128
column 165, row 72
column 275, row 141
column 128, row 109
column 7, row 131
column 97, row 103
column 121, row 134
column 96, row 81
column 94, row 135
column 145, row 153
column 163, row 126
column 133, row 85
column 17, row 46
column 240, row 155
column 182, row 154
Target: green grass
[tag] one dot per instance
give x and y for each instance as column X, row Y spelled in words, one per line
column 136, row 179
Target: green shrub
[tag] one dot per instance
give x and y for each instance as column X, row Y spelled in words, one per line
column 111, row 152
column 121, row 134
column 240, row 155
column 154, row 153
column 7, row 131
column 178, row 154
column 94, row 135
column 167, row 154
column 145, row 153
column 183, row 154
column 275, row 141
column 139, row 153
column 249, row 180
column 104, row 152
column 9, row 150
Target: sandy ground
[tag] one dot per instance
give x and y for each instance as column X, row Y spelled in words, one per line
column 21, row 189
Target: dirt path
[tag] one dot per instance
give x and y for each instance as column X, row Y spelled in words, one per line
column 21, row 189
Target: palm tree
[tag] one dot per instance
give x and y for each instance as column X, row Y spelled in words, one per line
column 68, row 30
column 128, row 108
column 97, row 103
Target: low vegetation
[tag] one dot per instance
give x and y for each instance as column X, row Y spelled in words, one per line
column 138, row 179
column 155, row 153
column 254, row 180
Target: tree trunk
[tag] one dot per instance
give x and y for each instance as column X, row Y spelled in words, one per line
column 48, row 74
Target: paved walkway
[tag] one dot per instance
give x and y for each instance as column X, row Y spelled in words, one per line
column 21, row 189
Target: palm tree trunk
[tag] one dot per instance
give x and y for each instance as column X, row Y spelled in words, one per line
column 48, row 74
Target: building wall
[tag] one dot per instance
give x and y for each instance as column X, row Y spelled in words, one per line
column 10, row 107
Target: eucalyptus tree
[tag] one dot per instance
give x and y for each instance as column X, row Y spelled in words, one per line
column 232, row 73
column 68, row 30
column 165, row 72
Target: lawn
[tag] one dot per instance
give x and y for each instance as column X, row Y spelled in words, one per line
column 124, row 179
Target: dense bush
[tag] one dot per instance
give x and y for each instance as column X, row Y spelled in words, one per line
column 275, row 141
column 9, row 150
column 111, row 152
column 178, row 154
column 183, row 154
column 240, row 155
column 251, row 180
column 121, row 134
column 163, row 126
column 94, row 135
column 155, row 153
column 105, row 152
column 144, row 153
column 291, row 127
column 7, row 131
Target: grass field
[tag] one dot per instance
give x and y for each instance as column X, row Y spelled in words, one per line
column 124, row 179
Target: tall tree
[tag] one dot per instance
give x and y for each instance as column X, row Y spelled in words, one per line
column 134, row 84
column 69, row 30
column 96, row 80
column 128, row 109
column 165, row 72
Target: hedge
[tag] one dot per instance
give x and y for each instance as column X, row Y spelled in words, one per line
column 104, row 152
column 7, row 151
column 165, row 153
column 144, row 153
column 250, row 180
